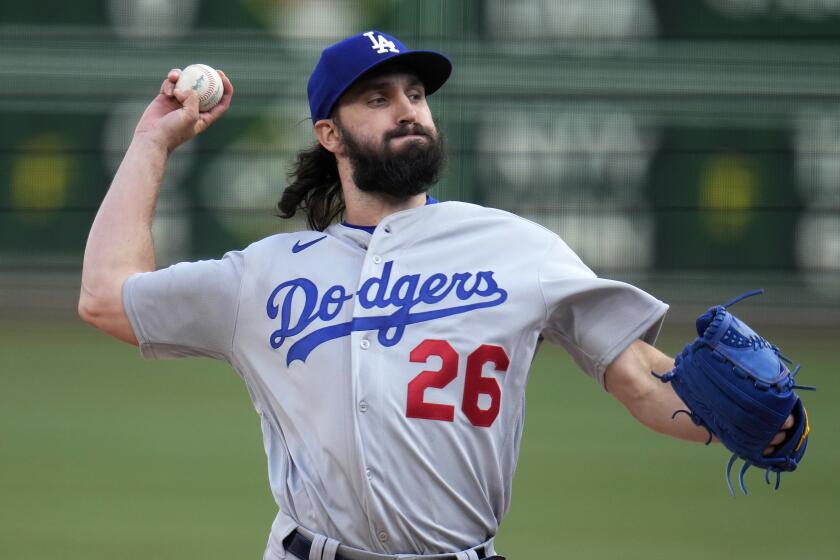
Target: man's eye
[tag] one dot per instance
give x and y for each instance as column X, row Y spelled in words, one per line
column 377, row 101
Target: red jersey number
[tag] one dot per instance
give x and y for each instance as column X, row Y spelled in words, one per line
column 475, row 383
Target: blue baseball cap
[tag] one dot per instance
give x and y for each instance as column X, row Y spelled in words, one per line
column 345, row 62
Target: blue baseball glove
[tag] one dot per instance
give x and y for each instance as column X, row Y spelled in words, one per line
column 738, row 386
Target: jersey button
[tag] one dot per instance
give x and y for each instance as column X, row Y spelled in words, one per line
column 387, row 229
column 368, row 474
column 377, row 259
column 383, row 536
column 365, row 344
column 363, row 406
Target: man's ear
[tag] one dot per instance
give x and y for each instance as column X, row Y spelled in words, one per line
column 328, row 135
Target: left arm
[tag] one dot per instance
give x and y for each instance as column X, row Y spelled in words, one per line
column 652, row 402
column 649, row 400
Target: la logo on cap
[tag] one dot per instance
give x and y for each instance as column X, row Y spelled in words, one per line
column 380, row 44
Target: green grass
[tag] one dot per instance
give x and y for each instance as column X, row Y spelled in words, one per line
column 106, row 455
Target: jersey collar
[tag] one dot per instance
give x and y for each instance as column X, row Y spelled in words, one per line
column 370, row 229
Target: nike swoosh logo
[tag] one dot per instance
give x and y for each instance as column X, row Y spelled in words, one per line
column 298, row 247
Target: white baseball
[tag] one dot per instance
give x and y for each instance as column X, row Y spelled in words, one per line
column 205, row 81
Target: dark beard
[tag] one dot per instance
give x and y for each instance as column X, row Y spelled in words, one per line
column 408, row 172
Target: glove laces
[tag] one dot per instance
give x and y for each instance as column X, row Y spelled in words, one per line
column 744, row 469
column 742, row 297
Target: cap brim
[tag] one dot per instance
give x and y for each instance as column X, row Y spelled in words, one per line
column 433, row 69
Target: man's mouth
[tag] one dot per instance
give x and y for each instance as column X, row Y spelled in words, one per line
column 409, row 133
column 410, row 136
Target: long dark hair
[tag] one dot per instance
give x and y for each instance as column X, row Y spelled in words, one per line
column 315, row 188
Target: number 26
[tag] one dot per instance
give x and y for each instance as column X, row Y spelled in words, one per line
column 474, row 385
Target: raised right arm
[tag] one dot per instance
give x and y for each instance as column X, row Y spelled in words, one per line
column 120, row 239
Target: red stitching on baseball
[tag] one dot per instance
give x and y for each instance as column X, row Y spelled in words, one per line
column 211, row 84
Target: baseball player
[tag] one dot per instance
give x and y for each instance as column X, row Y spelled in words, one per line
column 387, row 349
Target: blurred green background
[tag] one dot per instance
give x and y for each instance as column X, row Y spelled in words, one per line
column 105, row 455
column 691, row 148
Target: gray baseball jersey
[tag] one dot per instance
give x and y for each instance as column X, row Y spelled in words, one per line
column 389, row 369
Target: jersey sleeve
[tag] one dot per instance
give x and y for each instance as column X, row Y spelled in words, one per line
column 594, row 319
column 187, row 309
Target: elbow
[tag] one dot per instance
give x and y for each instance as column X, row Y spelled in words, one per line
column 100, row 295
column 89, row 310
column 106, row 314
column 98, row 303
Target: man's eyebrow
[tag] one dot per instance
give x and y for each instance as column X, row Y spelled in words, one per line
column 384, row 83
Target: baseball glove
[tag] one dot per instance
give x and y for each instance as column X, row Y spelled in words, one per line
column 738, row 386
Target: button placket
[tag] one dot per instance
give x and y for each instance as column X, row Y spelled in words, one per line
column 366, row 356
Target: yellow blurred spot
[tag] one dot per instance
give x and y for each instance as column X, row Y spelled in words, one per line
column 727, row 193
column 41, row 174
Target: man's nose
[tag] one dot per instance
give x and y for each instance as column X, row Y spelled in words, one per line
column 406, row 111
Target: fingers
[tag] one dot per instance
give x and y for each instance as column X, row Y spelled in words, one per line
column 777, row 439
column 191, row 121
column 780, row 437
column 167, row 88
column 225, row 81
column 228, row 91
column 788, row 423
column 210, row 116
column 188, row 99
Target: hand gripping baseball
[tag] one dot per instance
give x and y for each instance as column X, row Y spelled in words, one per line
column 738, row 386
column 173, row 118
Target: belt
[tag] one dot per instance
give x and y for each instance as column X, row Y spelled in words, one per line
column 299, row 545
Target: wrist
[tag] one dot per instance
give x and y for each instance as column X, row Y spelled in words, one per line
column 148, row 141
